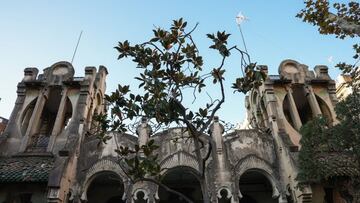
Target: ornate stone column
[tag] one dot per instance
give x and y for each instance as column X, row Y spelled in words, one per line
column 59, row 121
column 143, row 131
column 314, row 105
column 224, row 186
column 293, row 110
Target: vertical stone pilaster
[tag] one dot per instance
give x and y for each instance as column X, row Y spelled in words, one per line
column 314, row 105
column 223, row 179
column 59, row 120
column 293, row 110
column 143, row 131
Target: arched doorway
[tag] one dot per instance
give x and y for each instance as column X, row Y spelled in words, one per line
column 255, row 188
column 106, row 187
column 183, row 180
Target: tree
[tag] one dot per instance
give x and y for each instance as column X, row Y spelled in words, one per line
column 332, row 152
column 341, row 20
column 171, row 71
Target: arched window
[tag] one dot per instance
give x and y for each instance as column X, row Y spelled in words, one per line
column 27, row 116
column 183, row 180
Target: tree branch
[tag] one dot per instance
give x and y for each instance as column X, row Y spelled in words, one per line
column 167, row 189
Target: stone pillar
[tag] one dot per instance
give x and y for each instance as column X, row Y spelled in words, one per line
column 216, row 131
column 314, row 105
column 143, row 131
column 59, row 121
column 30, row 74
column 75, row 134
column 224, row 186
column 144, row 191
column 35, row 119
column 293, row 110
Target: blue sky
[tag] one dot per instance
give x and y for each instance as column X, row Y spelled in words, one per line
column 40, row 33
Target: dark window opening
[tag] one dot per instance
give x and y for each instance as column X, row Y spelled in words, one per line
column 302, row 104
column 19, row 198
column 25, row 198
column 286, row 109
column 328, row 195
column 224, row 197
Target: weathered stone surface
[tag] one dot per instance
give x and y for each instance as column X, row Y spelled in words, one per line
column 257, row 164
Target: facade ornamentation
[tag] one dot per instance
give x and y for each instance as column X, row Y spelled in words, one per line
column 49, row 129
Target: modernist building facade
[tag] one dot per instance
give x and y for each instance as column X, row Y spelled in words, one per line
column 48, row 155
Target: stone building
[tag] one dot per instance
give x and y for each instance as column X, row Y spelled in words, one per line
column 3, row 123
column 342, row 88
column 47, row 155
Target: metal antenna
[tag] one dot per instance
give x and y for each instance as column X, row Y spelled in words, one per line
column 76, row 47
column 243, row 39
column 239, row 19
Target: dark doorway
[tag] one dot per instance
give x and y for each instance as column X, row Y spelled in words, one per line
column 184, row 181
column 255, row 188
column 107, row 187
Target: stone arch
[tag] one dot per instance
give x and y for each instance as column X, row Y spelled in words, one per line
column 224, row 194
column 104, row 166
column 180, row 158
column 325, row 108
column 140, row 195
column 289, row 67
column 253, row 163
column 63, row 69
column 26, row 115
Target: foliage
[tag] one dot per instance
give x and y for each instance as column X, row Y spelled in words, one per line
column 343, row 22
column 140, row 161
column 332, row 151
column 348, row 112
column 171, row 67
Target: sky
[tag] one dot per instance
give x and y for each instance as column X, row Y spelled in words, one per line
column 41, row 33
